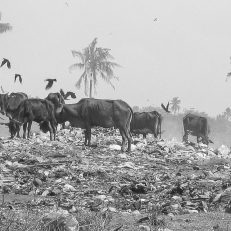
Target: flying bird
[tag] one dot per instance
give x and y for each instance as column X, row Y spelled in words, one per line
column 155, row 19
column 7, row 62
column 110, row 33
column 19, row 77
column 69, row 93
column 165, row 108
column 50, row 83
column 228, row 75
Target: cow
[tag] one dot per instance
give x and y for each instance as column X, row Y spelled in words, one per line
column 196, row 126
column 38, row 110
column 8, row 106
column 146, row 122
column 89, row 112
column 57, row 99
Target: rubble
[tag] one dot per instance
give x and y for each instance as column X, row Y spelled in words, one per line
column 168, row 177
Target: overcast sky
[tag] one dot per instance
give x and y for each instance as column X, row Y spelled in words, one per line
column 185, row 53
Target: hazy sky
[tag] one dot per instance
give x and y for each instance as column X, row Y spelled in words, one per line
column 185, row 53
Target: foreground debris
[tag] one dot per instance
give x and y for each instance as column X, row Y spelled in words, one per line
column 157, row 178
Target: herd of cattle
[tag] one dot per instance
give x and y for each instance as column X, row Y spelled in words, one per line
column 89, row 112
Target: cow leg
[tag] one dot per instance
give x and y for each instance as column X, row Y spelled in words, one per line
column 24, row 130
column 123, row 140
column 126, row 134
column 85, row 138
column 87, row 135
column 52, row 128
column 28, row 129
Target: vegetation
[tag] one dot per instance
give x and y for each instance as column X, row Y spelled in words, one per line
column 175, row 105
column 95, row 62
column 4, row 27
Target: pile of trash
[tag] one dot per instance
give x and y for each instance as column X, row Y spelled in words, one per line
column 168, row 177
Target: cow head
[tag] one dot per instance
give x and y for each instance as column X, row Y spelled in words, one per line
column 206, row 140
column 44, row 127
column 13, row 128
column 4, row 98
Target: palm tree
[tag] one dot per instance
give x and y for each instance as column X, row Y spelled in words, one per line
column 175, row 105
column 227, row 113
column 94, row 61
column 4, row 26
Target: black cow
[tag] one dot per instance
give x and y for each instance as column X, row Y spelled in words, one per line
column 196, row 126
column 57, row 99
column 38, row 110
column 89, row 112
column 146, row 122
column 8, row 106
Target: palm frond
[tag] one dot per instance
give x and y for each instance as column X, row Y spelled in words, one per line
column 107, row 79
column 78, row 84
column 5, row 27
column 78, row 54
column 76, row 66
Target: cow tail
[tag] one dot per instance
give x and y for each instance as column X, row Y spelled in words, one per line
column 130, row 119
column 160, row 122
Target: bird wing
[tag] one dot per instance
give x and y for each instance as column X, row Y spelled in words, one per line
column 3, row 62
column 20, row 78
column 8, row 64
column 167, row 106
column 162, row 105
column 49, row 85
column 72, row 94
column 15, row 77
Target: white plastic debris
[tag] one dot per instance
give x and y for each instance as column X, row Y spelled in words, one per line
column 114, row 147
column 224, row 150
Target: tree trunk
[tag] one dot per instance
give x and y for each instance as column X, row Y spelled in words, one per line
column 90, row 88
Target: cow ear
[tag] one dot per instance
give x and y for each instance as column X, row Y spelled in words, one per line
column 210, row 141
column 59, row 109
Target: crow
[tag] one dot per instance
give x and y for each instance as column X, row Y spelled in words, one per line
column 19, row 77
column 50, row 83
column 165, row 108
column 6, row 61
column 69, row 93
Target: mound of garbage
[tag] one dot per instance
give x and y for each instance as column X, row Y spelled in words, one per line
column 170, row 177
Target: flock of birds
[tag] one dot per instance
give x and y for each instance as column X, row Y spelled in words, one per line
column 48, row 86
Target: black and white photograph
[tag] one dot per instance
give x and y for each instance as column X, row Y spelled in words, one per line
column 115, row 115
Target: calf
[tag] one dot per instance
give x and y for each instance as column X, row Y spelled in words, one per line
column 38, row 110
